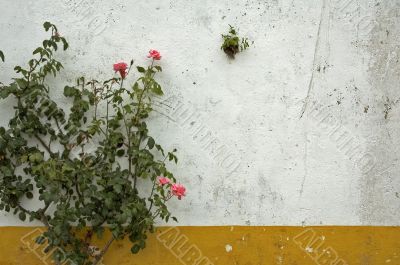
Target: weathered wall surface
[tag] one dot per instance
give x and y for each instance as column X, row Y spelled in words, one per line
column 231, row 245
column 301, row 129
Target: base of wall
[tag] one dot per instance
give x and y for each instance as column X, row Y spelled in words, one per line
column 241, row 245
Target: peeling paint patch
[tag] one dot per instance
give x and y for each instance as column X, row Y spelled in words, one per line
column 228, row 248
column 309, row 249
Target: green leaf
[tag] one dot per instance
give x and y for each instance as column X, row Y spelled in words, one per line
column 36, row 157
column 156, row 89
column 159, row 148
column 53, row 44
column 135, row 87
column 140, row 69
column 128, row 108
column 5, row 92
column 65, row 43
column 150, row 143
column 47, row 26
column 118, row 188
column 22, row 216
column 37, row 50
column 70, row 91
column 135, row 249
column 22, row 83
column 67, row 168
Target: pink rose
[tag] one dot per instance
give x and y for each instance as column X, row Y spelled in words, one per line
column 121, row 68
column 154, row 54
column 178, row 190
column 163, row 181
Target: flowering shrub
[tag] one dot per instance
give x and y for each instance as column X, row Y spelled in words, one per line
column 232, row 43
column 84, row 164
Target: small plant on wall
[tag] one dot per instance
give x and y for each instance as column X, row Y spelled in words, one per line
column 233, row 43
column 86, row 166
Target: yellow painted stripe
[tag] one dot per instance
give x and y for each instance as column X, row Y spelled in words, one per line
column 241, row 245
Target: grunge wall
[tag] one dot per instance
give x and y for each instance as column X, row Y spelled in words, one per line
column 300, row 130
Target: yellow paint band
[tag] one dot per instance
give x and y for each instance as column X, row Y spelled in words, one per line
column 241, row 245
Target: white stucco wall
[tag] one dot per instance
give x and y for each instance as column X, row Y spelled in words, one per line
column 247, row 154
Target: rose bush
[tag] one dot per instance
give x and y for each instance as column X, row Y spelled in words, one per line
column 84, row 165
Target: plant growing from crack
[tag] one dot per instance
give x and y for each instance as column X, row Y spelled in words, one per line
column 232, row 43
column 84, row 165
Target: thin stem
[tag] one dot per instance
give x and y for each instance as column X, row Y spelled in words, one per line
column 107, row 110
column 136, row 117
column 151, row 195
column 95, row 100
column 44, row 219
column 128, row 133
column 141, row 94
column 33, row 69
column 152, row 190
column 129, row 154
column 23, row 209
column 44, row 144
column 103, row 251
column 46, row 206
column 58, row 125
column 107, row 119
column 82, row 199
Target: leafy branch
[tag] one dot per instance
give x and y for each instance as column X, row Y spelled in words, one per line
column 232, row 44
